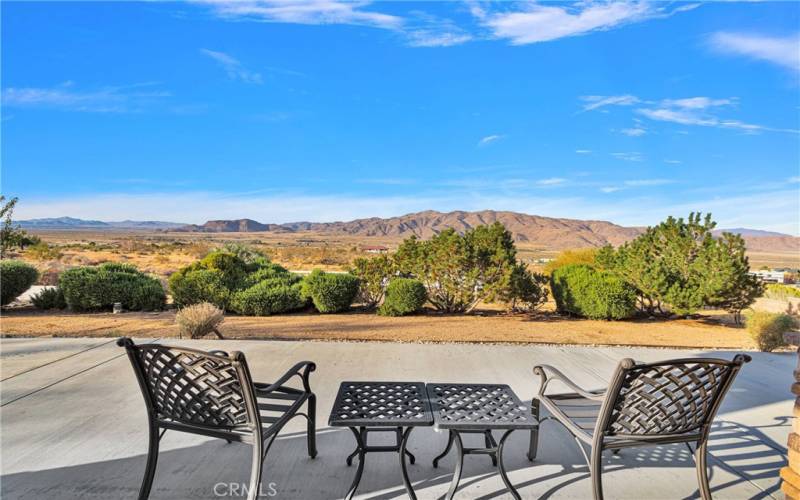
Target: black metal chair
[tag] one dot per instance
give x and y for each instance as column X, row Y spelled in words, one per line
column 212, row 394
column 646, row 404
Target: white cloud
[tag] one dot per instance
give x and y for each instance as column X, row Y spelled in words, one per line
column 233, row 67
column 629, row 156
column 553, row 181
column 304, row 12
column 120, row 99
column 583, row 151
column 598, row 101
column 783, row 51
column 634, row 131
column 610, row 189
column 698, row 111
column 542, row 23
column 431, row 38
column 490, row 139
column 648, row 182
column 673, row 162
column 793, row 180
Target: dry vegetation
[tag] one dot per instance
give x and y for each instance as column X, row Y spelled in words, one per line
column 164, row 253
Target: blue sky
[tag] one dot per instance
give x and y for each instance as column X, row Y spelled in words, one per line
column 283, row 111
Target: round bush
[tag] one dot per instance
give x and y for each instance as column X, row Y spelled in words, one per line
column 233, row 269
column 193, row 286
column 272, row 296
column 584, row 291
column 199, row 320
column 403, row 296
column 49, row 298
column 15, row 278
column 767, row 328
column 330, row 292
column 99, row 287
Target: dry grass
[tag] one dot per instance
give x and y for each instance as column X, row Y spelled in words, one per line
column 706, row 332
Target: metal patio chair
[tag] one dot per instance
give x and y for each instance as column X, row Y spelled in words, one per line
column 646, row 404
column 212, row 394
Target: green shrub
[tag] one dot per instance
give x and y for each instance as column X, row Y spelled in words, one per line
column 583, row 291
column 15, row 278
column 269, row 271
column 271, row 296
column 781, row 292
column 330, row 292
column 767, row 328
column 403, row 296
column 49, row 298
column 233, row 269
column 99, row 287
column 193, row 286
column 372, row 274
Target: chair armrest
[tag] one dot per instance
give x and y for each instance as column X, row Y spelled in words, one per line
column 302, row 369
column 548, row 373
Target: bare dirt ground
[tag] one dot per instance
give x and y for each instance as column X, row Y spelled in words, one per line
column 704, row 332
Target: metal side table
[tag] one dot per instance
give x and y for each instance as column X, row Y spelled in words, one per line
column 477, row 409
column 366, row 407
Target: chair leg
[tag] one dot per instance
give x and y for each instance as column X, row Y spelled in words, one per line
column 152, row 460
column 311, row 429
column 534, row 444
column 596, row 469
column 255, row 473
column 702, row 470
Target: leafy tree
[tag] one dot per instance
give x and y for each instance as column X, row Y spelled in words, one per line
column 11, row 236
column 460, row 271
column 526, row 290
column 680, row 264
column 373, row 276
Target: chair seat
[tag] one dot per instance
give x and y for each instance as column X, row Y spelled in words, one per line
column 277, row 406
column 576, row 412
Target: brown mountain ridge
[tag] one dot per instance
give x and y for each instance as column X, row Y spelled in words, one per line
column 545, row 232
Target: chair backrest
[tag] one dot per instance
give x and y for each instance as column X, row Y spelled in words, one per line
column 666, row 398
column 188, row 386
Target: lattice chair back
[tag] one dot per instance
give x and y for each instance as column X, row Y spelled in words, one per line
column 188, row 386
column 671, row 397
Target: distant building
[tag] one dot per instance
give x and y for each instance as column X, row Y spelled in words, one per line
column 769, row 276
column 375, row 249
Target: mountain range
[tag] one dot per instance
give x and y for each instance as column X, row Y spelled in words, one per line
column 545, row 232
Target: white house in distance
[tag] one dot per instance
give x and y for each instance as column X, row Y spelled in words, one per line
column 770, row 276
column 374, row 249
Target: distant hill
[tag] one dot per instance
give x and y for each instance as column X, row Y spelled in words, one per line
column 545, row 232
column 72, row 223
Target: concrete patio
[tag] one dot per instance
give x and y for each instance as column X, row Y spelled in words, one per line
column 74, row 426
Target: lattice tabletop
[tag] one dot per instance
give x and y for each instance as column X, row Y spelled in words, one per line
column 381, row 404
column 478, row 407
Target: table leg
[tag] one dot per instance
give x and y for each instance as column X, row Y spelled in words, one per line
column 406, row 481
column 361, row 455
column 502, row 466
column 446, row 450
column 490, row 443
column 534, row 443
column 459, row 464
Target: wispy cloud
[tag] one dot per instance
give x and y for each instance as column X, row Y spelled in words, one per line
column 629, row 156
column 793, row 180
column 489, row 139
column 599, row 101
column 673, row 162
column 699, row 111
column 542, row 23
column 783, row 51
column 304, row 12
column 118, row 99
column 233, row 67
column 635, row 131
column 553, row 181
column 647, row 182
column 583, row 151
